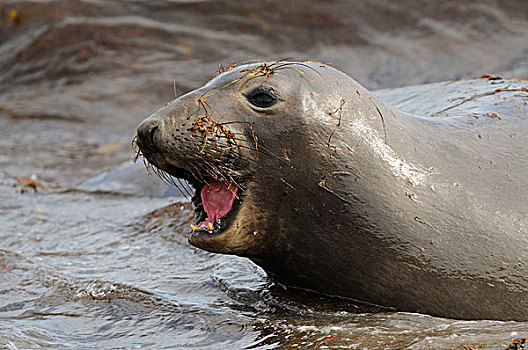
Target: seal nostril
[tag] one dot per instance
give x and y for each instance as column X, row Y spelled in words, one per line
column 146, row 133
column 151, row 134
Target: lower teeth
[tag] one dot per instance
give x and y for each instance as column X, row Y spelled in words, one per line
column 210, row 226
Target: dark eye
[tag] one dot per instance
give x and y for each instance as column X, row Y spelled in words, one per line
column 261, row 98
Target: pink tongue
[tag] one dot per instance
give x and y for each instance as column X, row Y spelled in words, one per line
column 217, row 199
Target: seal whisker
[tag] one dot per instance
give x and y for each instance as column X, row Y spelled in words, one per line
column 169, row 180
column 195, row 172
column 147, row 165
column 256, row 75
column 306, row 59
column 261, row 149
column 235, row 122
column 287, row 65
column 248, row 123
column 184, row 187
column 258, row 165
column 229, row 135
column 216, row 171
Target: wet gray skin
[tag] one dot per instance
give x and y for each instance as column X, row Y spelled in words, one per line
column 342, row 194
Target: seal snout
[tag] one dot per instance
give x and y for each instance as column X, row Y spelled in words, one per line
column 146, row 134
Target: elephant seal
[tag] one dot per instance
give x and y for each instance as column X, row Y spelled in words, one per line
column 418, row 203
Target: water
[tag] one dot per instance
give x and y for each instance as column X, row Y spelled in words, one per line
column 87, row 261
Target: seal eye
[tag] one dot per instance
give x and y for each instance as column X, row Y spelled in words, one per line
column 261, row 98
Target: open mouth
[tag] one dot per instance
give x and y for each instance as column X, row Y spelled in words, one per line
column 214, row 205
column 215, row 202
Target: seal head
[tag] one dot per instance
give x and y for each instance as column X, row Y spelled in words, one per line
column 240, row 141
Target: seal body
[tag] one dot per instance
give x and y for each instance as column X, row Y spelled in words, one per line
column 413, row 198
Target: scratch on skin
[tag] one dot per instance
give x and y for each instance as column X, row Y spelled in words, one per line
column 336, row 112
column 287, row 184
column 420, row 220
column 496, row 91
column 519, row 264
column 322, row 184
column 383, row 122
